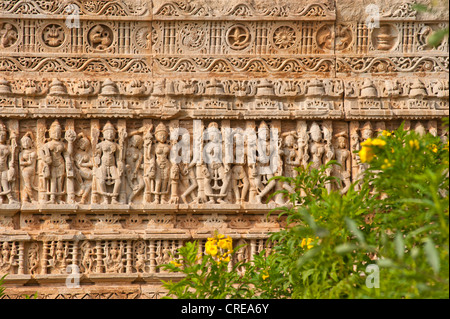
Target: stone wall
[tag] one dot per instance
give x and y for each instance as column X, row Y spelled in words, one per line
column 98, row 97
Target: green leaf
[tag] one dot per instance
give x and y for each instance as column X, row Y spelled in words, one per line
column 399, row 246
column 432, row 255
column 420, row 7
column 385, row 262
column 345, row 248
column 436, row 37
column 354, row 229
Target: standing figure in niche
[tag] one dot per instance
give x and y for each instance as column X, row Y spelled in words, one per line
column 113, row 258
column 134, row 164
column 7, row 257
column 366, row 133
column 89, row 257
column 343, row 159
column 291, row 157
column 33, row 259
column 57, row 163
column 149, row 165
column 239, row 179
column 316, row 146
column 7, row 160
column 329, row 151
column 27, row 160
column 216, row 173
column 84, row 165
column 161, row 164
column 262, row 172
column 109, row 164
column 58, row 256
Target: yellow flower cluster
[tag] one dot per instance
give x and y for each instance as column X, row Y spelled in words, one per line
column 219, row 247
column 366, row 154
column 307, row 242
column 386, row 133
column 414, row 144
column 387, row 163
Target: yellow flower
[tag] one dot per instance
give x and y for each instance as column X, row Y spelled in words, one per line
column 378, row 142
column 306, row 242
column 434, row 148
column 386, row 133
column 265, row 275
column 414, row 144
column 211, row 248
column 176, row 264
column 225, row 243
column 366, row 154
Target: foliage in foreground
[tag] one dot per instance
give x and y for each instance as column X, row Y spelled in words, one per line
column 387, row 237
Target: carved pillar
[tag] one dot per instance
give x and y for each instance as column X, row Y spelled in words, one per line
column 21, row 269
column 95, row 134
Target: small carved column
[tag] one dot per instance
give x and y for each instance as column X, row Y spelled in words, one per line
column 21, row 269
column 129, row 253
column 198, row 149
column 252, row 249
column 99, row 250
column 75, row 253
column 152, row 257
column 40, row 140
column 122, row 126
column 45, row 247
column 95, row 134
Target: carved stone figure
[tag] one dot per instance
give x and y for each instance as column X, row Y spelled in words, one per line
column 161, row 179
column 59, row 252
column 109, row 164
column 263, row 171
column 113, row 258
column 33, row 258
column 316, row 146
column 84, row 165
column 240, row 183
column 7, row 162
column 88, row 257
column 7, row 258
column 343, row 158
column 8, row 35
column 134, row 164
column 216, row 173
column 27, row 161
column 57, row 165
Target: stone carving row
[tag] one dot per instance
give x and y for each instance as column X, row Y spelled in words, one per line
column 127, row 256
column 146, row 163
column 98, row 8
column 297, row 88
column 161, row 223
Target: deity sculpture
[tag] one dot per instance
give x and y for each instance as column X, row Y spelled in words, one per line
column 7, row 160
column 139, row 256
column 57, row 165
column 7, row 258
column 161, row 164
column 27, row 162
column 240, row 183
column 263, row 171
column 33, row 258
column 134, row 164
column 113, row 258
column 316, row 146
column 84, row 166
column 88, row 257
column 343, row 157
column 8, row 35
column 109, row 163
column 59, row 253
column 216, row 173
